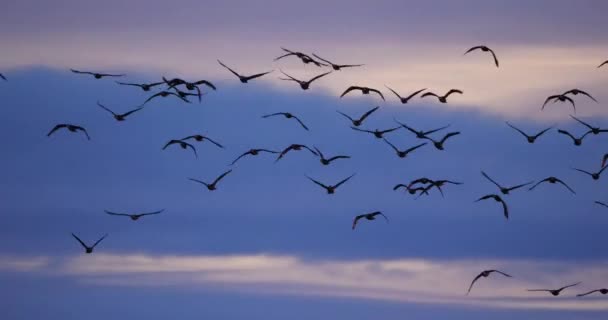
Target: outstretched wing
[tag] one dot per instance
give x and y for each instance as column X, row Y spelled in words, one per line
column 301, row 123
column 473, row 282
column 491, row 180
column 393, row 91
column 447, row 136
column 80, row 72
column 239, row 158
column 319, row 76
column 221, row 177
column 98, row 241
column 473, row 49
column 344, row 181
column 81, row 243
column 453, row 91
column 151, row 213
column 57, row 127
column 317, row 182
column 517, row 129
column 565, row 185
column 258, row 75
column 378, row 92
column 232, row 71
column 349, row 89
column 103, row 107
column 581, row 122
column 390, row 144
column 117, row 214
column 494, row 56
column 214, row 142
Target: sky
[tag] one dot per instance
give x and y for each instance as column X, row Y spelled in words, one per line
column 268, row 242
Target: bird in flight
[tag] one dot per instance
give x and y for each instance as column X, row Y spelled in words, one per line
column 244, row 79
column 364, row 90
column 119, row 117
column 294, row 147
column 331, row 189
column 253, row 152
column 143, row 86
column 420, row 134
column 377, row 133
column 182, row 144
column 327, row 161
column 506, row 190
column 287, row 115
column 576, row 92
column 552, row 180
column 496, row 198
column 577, row 141
column 71, row 128
column 602, row 291
column 602, row 64
column 185, row 95
column 485, row 274
column 594, row 175
column 306, row 59
column 444, row 98
column 485, row 49
column 368, row 216
column 437, row 184
column 592, row 129
column 439, row 144
column 411, row 190
column 404, row 153
column 164, row 94
column 88, row 249
column 133, row 216
column 337, row 67
column 560, row 98
column 555, row 292
column 3, row 77
column 531, row 139
column 358, row 122
column 201, row 138
column 405, row 100
column 212, row 186
column 303, row 84
column 189, row 85
column 97, row 75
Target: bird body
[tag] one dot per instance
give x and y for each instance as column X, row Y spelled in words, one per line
column 485, row 49
column 134, row 216
column 184, row 145
column 444, row 98
column 212, row 186
column 364, row 90
column 497, row 198
column 358, row 122
column 553, row 180
column 485, row 274
column 88, row 249
column 69, row 127
column 555, row 292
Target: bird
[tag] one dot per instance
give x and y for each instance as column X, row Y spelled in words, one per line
column 602, row 204
column 592, row 129
column 3, row 77
column 602, row 64
column 404, row 153
column 253, row 152
column 212, row 186
column 189, row 85
column 602, row 291
column 577, row 141
column 97, row 75
column 506, row 190
column 552, row 180
column 119, row 117
column 559, row 97
column 326, row 161
column 604, row 159
column 555, row 292
column 377, row 133
column 358, row 122
column 185, row 95
column 485, row 274
column 484, row 49
column 201, row 138
column 420, row 134
column 496, row 198
column 331, row 189
column 438, row 184
column 337, row 67
column 88, row 249
column 406, row 99
column 531, row 139
column 295, row 147
column 368, row 216
column 244, row 79
column 575, row 92
column 144, row 86
column 411, row 190
column 439, row 144
column 182, row 144
column 423, row 180
column 287, row 115
column 71, row 128
column 133, row 216
column 364, row 90
column 444, row 98
column 303, row 84
column 594, row 175
column 306, row 59
column 164, row 94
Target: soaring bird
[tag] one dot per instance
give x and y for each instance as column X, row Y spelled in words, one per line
column 485, row 49
column 438, row 184
column 287, row 115
column 303, row 84
column 133, row 216
column 444, row 98
column 577, row 141
column 71, row 128
column 602, row 291
column 119, row 117
column 182, row 144
column 485, row 274
column 552, row 180
column 555, row 292
column 164, row 94
column 364, row 90
column 358, row 122
column 253, row 152
column 185, row 95
column 497, row 198
column 576, row 92
column 404, row 153
column 144, row 86
column 423, row 180
column 244, row 79
column 602, row 204
column 3, row 77
column 411, row 190
column 377, row 133
column 331, row 189
column 201, row 138
column 406, row 99
column 294, row 147
column 420, row 134
column 506, row 190
column 88, row 249
column 337, row 67
column 368, row 216
column 189, row 85
column 97, row 75
column 212, row 186
column 439, row 144
column 592, row 129
column 594, row 175
column 306, row 59
column 531, row 139
column 560, row 98
column 603, row 63
column 327, row 161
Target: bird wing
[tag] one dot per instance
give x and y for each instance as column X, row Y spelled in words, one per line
column 3, row 77
column 518, row 130
column 80, row 72
column 504, row 274
column 338, row 157
column 566, row 133
column 193, row 149
column 520, row 186
column 273, row 115
column 390, row 130
column 290, row 77
column 414, row 94
column 103, row 107
column 429, row 94
column 349, row 89
column 350, row 65
column 603, row 63
column 368, row 113
column 361, row 130
column 239, row 158
column 435, row 130
column 326, row 61
column 577, row 91
column 415, row 147
column 447, row 136
column 285, row 55
column 484, row 197
column 221, row 177
column 453, row 91
column 581, row 122
column 170, row 143
column 111, row 75
column 381, row 214
column 129, row 84
column 232, row 71
column 319, row 76
column 257, row 75
column 98, row 241
column 269, row 151
column 214, row 142
column 309, row 149
column 494, row 56
column 491, row 180
column 549, row 98
column 151, row 97
column 504, row 207
column 393, row 91
column 588, row 293
column 572, row 102
column 378, row 92
column 319, row 152
column 317, row 182
column 199, row 181
column 344, row 181
column 345, row 115
column 602, row 170
column 151, row 213
column 535, row 185
column 539, row 290
column 473, row 282
column 604, row 159
column 57, row 127
column 78, row 239
column 84, row 131
column 301, row 123
column 390, row 144
column 542, row 132
column 602, row 204
column 357, row 218
column 583, row 171
column 117, row 214
column 565, row 185
column 473, row 49
column 569, row 286
column 207, row 83
column 132, row 111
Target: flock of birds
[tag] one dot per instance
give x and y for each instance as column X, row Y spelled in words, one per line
column 182, row 90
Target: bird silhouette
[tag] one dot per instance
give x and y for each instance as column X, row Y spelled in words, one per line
column 88, row 249
column 439, row 144
column 555, row 292
column 189, row 85
column 404, row 153
column 552, row 180
column 438, row 184
column 444, row 98
column 377, row 133
column 411, row 190
column 306, row 59
column 97, row 75
column 244, row 79
column 201, row 138
column 602, row 64
column 484, row 49
column 592, row 129
column 531, row 139
column 182, row 144
column 358, row 122
column 593, row 175
column 419, row 133
column 405, row 100
column 294, row 147
column 164, row 94
column 253, row 152
column 364, row 90
column 287, row 115
column 485, row 274
column 71, row 128
column 185, row 95
column 602, row 291
column 212, row 186
column 577, row 141
column 368, row 216
column 560, row 98
column 576, row 92
column 133, row 216
column 144, row 86
column 119, row 117
column 326, row 161
column 331, row 189
column 497, row 198
column 337, row 67
column 506, row 190
column 303, row 84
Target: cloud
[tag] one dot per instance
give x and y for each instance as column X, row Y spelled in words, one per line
column 20, row 264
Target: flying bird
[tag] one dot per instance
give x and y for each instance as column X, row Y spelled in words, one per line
column 405, row 100
column 485, row 49
column 71, row 128
column 303, row 84
column 185, row 95
column 133, row 216
column 287, row 115
column 189, row 85
column 143, row 86
column 531, row 139
column 244, row 79
column 182, row 144
column 555, row 292
column 444, row 98
column 294, row 147
column 88, row 249
column 97, row 75
column 164, row 94
column 552, row 180
column 594, row 175
column 337, row 67
column 212, row 186
column 506, row 190
column 496, row 198
column 364, row 90
column 439, row 144
column 485, row 274
column 253, row 152
column 331, row 189
column 602, row 291
column 119, row 117
column 411, row 190
column 201, row 138
column 327, row 161
column 377, row 133
column 368, row 216
column 438, row 184
column 404, row 153
column 420, row 134
column 358, row 122
column 592, row 129
column 576, row 92
column 577, row 141
column 306, row 59
column 560, row 98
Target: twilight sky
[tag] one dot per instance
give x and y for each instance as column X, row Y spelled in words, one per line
column 269, row 243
